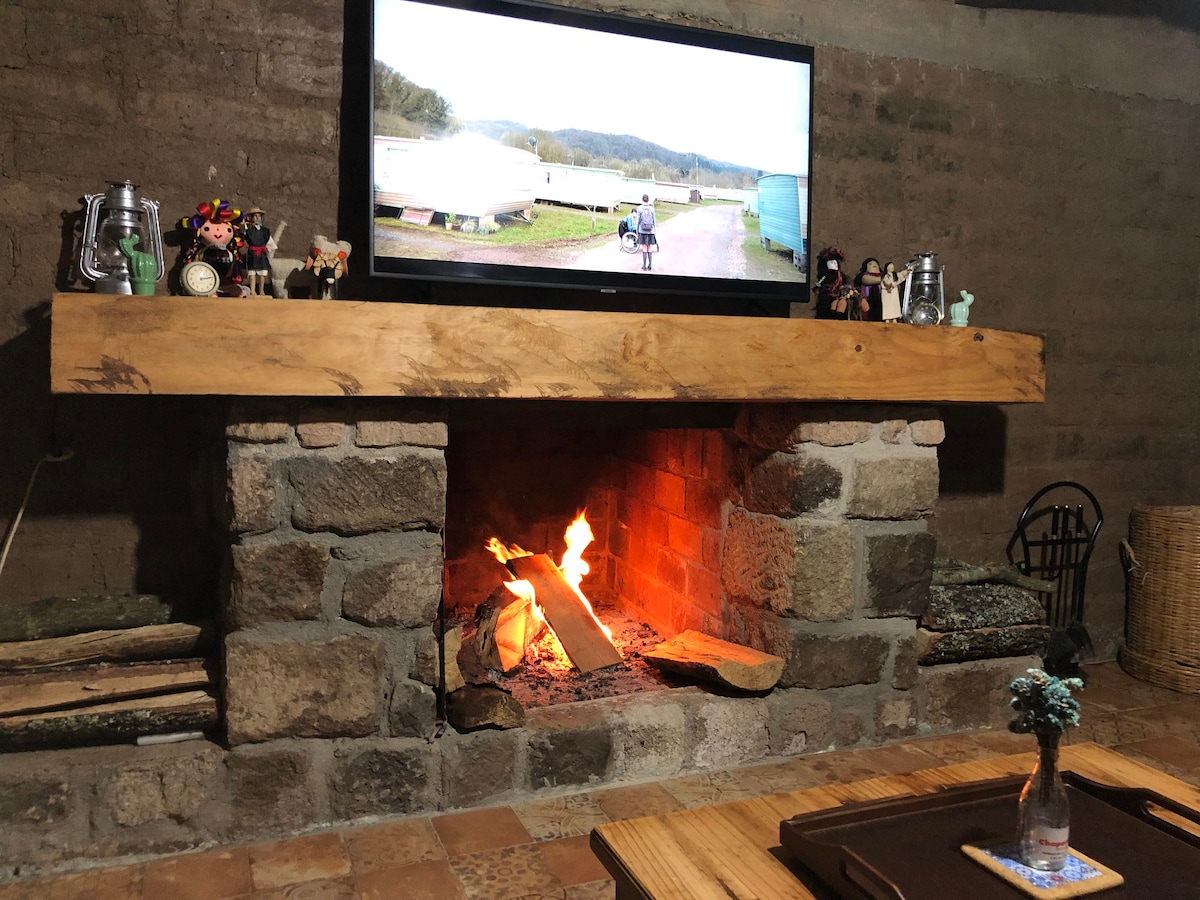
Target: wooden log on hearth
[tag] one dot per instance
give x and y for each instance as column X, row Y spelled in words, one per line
column 118, row 722
column 478, row 706
column 507, row 626
column 175, row 640
column 587, row 646
column 38, row 692
column 59, row 616
column 706, row 658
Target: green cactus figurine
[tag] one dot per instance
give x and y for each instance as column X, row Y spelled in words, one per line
column 142, row 266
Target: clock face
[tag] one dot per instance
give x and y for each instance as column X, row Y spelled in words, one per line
column 199, row 279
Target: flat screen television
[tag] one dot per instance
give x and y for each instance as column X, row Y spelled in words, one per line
column 509, row 140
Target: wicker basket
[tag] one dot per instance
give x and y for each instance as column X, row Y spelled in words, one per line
column 1162, row 620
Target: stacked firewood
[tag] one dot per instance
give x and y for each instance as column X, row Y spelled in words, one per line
column 94, row 670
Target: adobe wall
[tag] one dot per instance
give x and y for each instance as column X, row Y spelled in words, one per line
column 1043, row 156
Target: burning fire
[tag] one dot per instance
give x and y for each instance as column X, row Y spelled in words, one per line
column 572, row 565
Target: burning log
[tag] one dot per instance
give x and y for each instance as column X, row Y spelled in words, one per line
column 581, row 636
column 711, row 659
column 507, row 626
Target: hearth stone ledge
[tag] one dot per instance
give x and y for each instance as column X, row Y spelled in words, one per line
column 330, row 601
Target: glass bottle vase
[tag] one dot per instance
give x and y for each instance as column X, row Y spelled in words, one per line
column 1045, row 813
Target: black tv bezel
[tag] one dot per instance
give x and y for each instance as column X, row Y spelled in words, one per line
column 421, row 279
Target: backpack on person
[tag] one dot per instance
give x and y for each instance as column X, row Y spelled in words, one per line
column 645, row 218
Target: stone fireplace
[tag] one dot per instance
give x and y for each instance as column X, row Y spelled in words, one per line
column 781, row 507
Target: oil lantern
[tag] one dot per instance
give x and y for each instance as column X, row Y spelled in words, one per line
column 924, row 298
column 120, row 213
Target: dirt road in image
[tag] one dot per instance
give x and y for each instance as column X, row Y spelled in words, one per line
column 705, row 242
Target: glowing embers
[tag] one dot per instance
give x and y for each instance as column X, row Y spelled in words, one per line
column 546, row 613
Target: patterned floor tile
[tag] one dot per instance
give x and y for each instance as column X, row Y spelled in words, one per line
column 393, row 844
column 707, row 788
column 99, row 884
column 310, row 858
column 597, row 890
column 634, row 801
column 507, row 874
column 216, row 875
column 560, row 817
column 321, row 889
column 481, row 829
column 572, row 860
column 430, row 880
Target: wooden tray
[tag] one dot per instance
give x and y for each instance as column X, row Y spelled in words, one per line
column 910, row 848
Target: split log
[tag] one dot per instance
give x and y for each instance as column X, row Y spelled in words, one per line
column 951, row 571
column 711, row 659
column 38, row 692
column 111, row 723
column 580, row 635
column 60, row 616
column 507, row 626
column 483, row 706
column 175, row 640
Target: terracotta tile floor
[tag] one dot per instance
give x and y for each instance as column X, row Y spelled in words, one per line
column 539, row 849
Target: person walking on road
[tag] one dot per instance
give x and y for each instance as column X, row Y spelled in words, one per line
column 645, row 227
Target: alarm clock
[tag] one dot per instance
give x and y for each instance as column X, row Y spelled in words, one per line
column 199, row 279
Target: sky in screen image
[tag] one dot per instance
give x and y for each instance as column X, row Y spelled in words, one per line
column 731, row 107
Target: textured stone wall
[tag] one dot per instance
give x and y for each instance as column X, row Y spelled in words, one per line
column 332, row 580
column 1046, row 158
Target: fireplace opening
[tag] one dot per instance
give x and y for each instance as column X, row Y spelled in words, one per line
column 652, row 485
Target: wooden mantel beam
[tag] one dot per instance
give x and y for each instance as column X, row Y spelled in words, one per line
column 105, row 344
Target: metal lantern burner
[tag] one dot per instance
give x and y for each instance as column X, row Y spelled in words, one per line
column 924, row 296
column 120, row 212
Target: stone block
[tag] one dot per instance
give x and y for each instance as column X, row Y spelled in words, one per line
column 384, row 777
column 317, row 429
column 971, row 695
column 403, row 590
column 34, row 801
column 568, row 745
column 730, row 731
column 794, row 569
column 898, row 568
column 252, row 494
column 375, row 433
column 163, row 788
column 799, row 722
column 821, row 661
column 895, row 717
column 275, row 583
column 651, row 737
column 273, row 788
column 481, row 767
column 258, row 425
column 927, row 432
column 939, row 648
column 412, row 709
column 783, row 426
column 960, row 607
column 906, row 665
column 791, row 484
column 900, row 488
column 301, row 686
column 357, row 495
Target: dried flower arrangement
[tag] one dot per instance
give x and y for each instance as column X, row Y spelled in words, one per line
column 1044, row 704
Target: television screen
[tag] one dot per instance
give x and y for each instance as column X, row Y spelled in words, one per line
column 539, row 145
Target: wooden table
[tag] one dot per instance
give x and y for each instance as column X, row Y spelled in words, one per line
column 732, row 850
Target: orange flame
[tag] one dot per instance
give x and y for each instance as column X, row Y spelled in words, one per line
column 573, row 566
